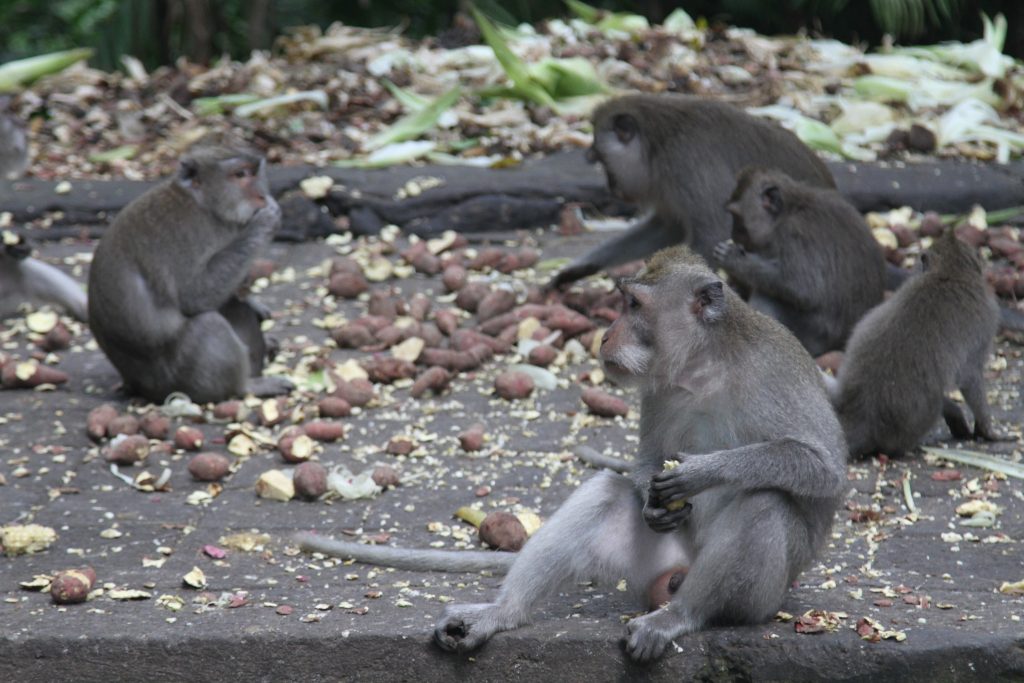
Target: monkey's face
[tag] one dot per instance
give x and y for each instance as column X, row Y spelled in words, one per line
column 619, row 148
column 627, row 346
column 232, row 188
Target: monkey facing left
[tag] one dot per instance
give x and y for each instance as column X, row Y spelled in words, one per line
column 163, row 301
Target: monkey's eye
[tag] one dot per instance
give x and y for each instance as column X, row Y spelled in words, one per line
column 632, row 303
column 244, row 172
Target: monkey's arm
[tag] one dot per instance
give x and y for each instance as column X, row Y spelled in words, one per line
column 790, row 465
column 764, row 275
column 645, row 237
column 225, row 271
column 402, row 558
column 46, row 283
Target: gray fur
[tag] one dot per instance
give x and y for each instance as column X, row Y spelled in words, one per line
column 682, row 164
column 162, row 285
column 932, row 336
column 810, row 262
column 731, row 394
column 405, row 558
column 13, row 147
column 24, row 279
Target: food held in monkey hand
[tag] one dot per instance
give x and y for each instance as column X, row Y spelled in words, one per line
column 310, row 479
column 385, row 476
column 97, row 420
column 603, row 404
column 679, row 504
column 512, row 385
column 72, row 586
column 29, row 374
column 503, row 531
column 209, row 466
column 665, row 586
column 127, row 449
column 188, row 438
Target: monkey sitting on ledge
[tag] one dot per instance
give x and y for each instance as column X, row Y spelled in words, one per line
column 163, row 282
column 732, row 395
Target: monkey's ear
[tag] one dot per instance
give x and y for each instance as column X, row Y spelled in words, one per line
column 771, row 200
column 709, row 301
column 625, row 127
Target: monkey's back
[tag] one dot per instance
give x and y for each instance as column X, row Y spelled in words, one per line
column 907, row 353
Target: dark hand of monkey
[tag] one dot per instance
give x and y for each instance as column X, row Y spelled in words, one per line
column 661, row 519
column 727, row 251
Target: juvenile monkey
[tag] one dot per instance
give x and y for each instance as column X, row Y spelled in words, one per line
column 24, row 279
column 162, row 302
column 677, row 157
column 805, row 255
column 930, row 337
column 729, row 393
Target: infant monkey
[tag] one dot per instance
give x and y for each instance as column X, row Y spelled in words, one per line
column 730, row 394
column 163, row 282
column 805, row 255
column 932, row 336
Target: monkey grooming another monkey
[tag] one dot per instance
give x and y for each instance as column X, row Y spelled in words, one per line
column 677, row 156
column 930, row 337
column 163, row 282
column 731, row 394
column 24, row 279
column 806, row 256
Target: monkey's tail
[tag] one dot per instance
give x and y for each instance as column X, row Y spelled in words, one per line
column 407, row 558
column 600, row 460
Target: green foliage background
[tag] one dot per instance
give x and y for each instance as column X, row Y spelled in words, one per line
column 159, row 31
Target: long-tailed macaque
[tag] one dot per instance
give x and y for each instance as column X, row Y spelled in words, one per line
column 932, row 336
column 729, row 394
column 163, row 282
column 677, row 157
column 805, row 255
column 25, row 280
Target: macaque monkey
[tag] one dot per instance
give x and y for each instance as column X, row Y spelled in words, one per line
column 677, row 157
column 805, row 255
column 932, row 336
column 163, row 282
column 731, row 395
column 13, row 145
column 24, row 279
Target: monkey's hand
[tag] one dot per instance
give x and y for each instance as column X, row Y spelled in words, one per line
column 727, row 251
column 265, row 221
column 661, row 518
column 463, row 628
column 647, row 636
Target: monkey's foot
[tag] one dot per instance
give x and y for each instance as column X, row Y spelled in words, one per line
column 647, row 636
column 989, row 433
column 262, row 387
column 463, row 628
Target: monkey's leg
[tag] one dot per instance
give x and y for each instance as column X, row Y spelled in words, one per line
column 245, row 320
column 597, row 533
column 739, row 576
column 973, row 389
column 955, row 420
column 645, row 237
column 46, row 283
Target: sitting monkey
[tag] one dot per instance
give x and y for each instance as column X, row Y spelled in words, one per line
column 731, row 394
column 163, row 282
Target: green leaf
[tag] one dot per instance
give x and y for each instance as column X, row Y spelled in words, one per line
column 16, row 73
column 568, row 77
column 514, row 67
column 409, row 100
column 116, row 154
column 584, row 11
column 318, row 97
column 416, row 123
column 391, row 155
column 209, row 106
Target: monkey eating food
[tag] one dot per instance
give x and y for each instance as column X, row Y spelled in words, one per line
column 677, row 157
column 805, row 255
column 24, row 279
column 731, row 395
column 932, row 336
column 163, row 282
